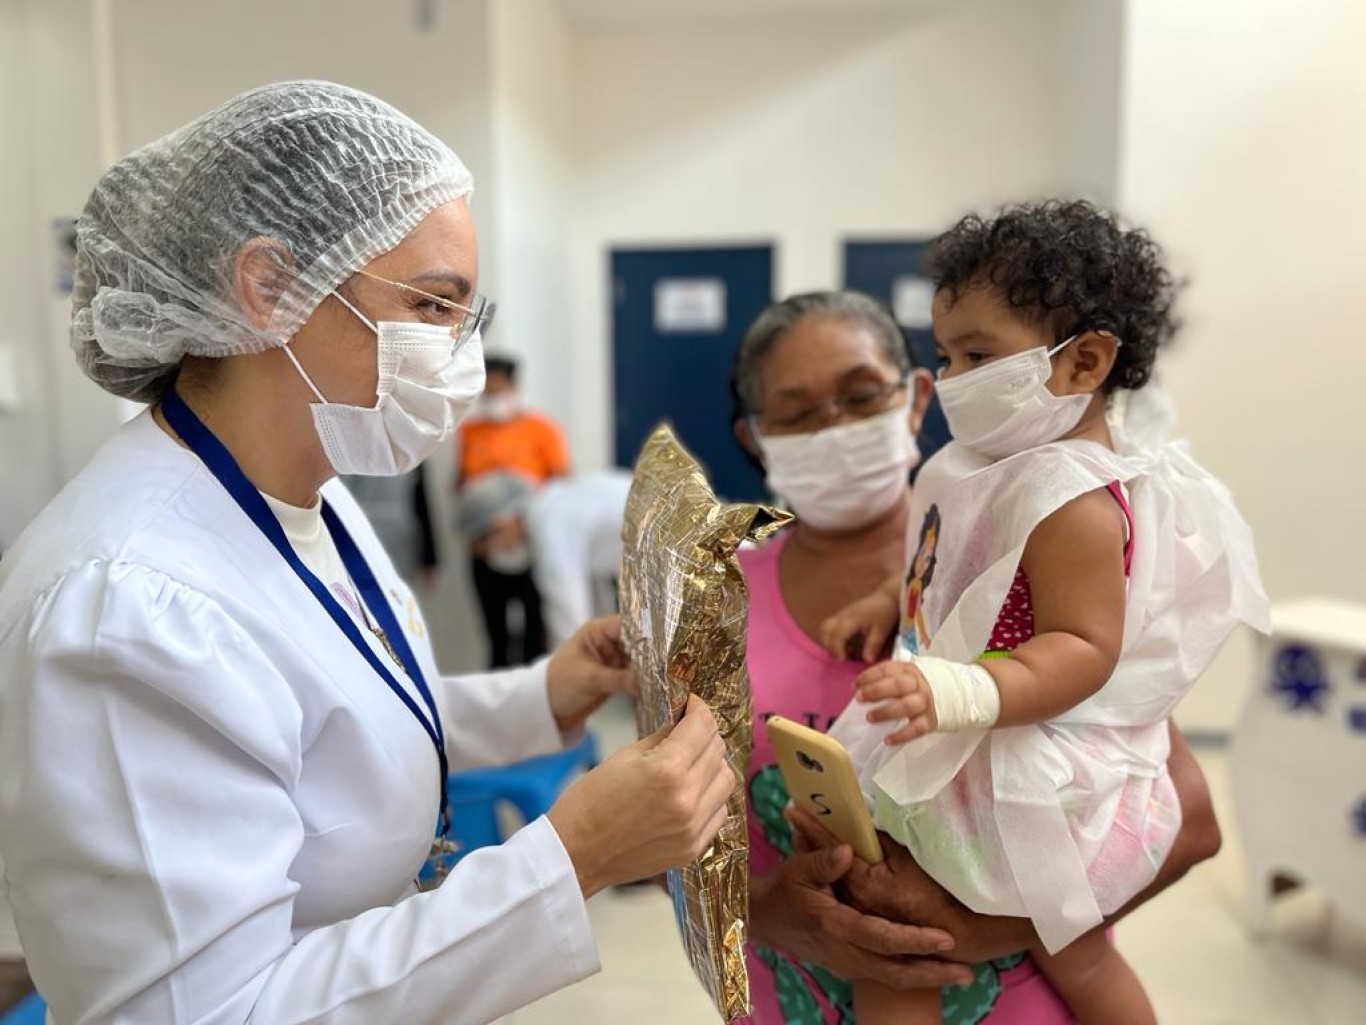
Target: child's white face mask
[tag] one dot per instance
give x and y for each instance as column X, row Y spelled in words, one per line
column 1005, row 407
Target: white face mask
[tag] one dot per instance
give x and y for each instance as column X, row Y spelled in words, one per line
column 423, row 393
column 846, row 476
column 499, row 408
column 510, row 561
column 1005, row 407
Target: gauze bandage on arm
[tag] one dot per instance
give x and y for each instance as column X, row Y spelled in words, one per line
column 965, row 695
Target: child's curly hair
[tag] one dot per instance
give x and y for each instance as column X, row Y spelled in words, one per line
column 1073, row 266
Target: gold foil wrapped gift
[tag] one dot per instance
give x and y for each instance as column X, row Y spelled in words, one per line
column 684, row 609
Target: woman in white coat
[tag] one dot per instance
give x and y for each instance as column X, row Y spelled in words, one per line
column 223, row 739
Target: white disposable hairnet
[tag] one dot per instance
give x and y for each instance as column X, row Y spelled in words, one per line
column 334, row 176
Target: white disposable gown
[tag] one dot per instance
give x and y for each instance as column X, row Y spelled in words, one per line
column 1063, row 821
column 212, row 809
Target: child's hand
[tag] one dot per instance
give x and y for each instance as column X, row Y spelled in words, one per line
column 861, row 630
column 900, row 691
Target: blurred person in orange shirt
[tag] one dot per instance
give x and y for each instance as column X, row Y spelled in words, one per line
column 506, row 452
column 502, row 436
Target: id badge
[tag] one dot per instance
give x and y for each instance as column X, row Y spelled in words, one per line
column 439, row 863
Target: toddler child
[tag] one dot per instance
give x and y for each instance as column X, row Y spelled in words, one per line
column 1072, row 574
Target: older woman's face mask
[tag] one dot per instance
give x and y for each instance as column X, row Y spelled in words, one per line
column 845, row 476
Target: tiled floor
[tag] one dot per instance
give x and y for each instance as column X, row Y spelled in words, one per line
column 1193, row 951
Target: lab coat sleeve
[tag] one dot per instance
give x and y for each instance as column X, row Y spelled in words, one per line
column 148, row 776
column 498, row 718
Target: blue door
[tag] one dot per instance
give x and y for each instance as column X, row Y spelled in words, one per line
column 893, row 271
column 677, row 319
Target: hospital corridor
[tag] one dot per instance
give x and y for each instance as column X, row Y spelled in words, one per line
column 754, row 512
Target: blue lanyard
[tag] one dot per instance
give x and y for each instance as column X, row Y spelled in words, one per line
column 222, row 465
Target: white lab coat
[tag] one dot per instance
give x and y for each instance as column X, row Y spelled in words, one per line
column 574, row 528
column 212, row 809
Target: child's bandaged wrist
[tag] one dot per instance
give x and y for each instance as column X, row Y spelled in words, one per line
column 965, row 696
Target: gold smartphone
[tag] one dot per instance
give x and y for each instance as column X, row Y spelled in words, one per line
column 822, row 782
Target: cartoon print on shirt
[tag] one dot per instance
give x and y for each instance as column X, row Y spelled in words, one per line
column 914, row 637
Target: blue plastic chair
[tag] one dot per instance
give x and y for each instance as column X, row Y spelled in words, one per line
column 29, row 1011
column 531, row 787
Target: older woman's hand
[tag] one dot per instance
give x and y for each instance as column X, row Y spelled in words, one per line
column 864, row 629
column 899, row 890
column 590, row 667
column 794, row 909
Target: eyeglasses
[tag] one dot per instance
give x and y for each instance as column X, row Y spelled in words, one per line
column 858, row 403
column 478, row 316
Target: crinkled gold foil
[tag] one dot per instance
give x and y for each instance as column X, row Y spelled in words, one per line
column 684, row 608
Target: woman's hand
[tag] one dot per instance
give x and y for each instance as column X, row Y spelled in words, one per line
column 862, row 630
column 590, row 667
column 652, row 806
column 795, row 910
column 899, row 890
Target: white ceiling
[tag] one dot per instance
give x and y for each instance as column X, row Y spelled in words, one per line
column 648, row 12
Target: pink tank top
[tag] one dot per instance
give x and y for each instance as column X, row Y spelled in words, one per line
column 792, row 676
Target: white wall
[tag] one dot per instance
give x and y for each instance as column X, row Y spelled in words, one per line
column 800, row 132
column 437, row 73
column 1086, row 68
column 51, row 153
column 1237, row 137
column 531, row 125
column 26, row 472
column 49, row 156
column 803, row 132
column 1244, row 148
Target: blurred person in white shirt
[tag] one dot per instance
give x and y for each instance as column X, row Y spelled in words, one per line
column 566, row 535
